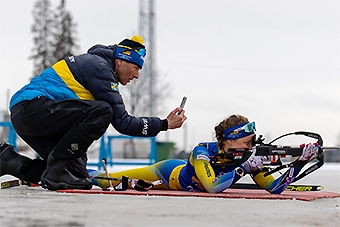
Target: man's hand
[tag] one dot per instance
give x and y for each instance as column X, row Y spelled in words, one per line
column 174, row 120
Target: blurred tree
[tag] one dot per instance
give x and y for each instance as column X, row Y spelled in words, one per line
column 64, row 43
column 136, row 95
column 42, row 30
column 53, row 35
column 136, row 99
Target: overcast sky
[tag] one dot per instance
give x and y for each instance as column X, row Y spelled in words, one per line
column 275, row 62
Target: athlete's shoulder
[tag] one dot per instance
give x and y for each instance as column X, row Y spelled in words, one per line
column 211, row 147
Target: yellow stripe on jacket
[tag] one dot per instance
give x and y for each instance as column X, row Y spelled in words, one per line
column 65, row 74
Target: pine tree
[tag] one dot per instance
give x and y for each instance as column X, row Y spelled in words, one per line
column 41, row 29
column 53, row 35
column 64, row 33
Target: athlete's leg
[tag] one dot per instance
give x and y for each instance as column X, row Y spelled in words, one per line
column 158, row 171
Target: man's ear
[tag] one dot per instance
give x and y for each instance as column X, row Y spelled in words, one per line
column 118, row 62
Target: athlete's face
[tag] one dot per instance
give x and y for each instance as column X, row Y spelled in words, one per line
column 245, row 143
column 126, row 71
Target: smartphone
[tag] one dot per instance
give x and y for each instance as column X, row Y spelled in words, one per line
column 184, row 99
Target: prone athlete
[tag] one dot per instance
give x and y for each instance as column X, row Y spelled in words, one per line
column 200, row 172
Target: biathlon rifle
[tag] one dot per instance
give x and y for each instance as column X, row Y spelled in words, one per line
column 278, row 152
column 236, row 156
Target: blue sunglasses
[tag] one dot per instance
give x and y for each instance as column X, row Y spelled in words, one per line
column 239, row 131
column 250, row 127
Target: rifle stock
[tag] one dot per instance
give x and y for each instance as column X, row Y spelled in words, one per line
column 268, row 150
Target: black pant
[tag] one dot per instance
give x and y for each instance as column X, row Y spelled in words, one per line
column 41, row 123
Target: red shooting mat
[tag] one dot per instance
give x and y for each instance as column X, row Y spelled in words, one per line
column 227, row 194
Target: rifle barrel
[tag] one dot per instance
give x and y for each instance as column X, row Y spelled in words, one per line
column 330, row 148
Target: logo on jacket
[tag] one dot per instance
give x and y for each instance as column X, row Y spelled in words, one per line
column 114, row 86
column 72, row 59
column 145, row 126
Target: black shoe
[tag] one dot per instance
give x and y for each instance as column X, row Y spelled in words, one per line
column 70, row 148
column 20, row 166
column 57, row 177
column 11, row 161
column 64, row 181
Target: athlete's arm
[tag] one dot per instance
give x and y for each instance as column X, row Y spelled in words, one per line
column 206, row 175
column 277, row 186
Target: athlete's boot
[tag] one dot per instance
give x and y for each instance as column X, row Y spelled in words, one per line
column 56, row 176
column 20, row 166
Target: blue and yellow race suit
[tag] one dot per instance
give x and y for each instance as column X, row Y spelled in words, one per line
column 197, row 174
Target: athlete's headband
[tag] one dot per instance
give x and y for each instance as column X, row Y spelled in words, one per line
column 239, row 131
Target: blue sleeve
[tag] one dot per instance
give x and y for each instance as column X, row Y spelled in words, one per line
column 206, row 174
